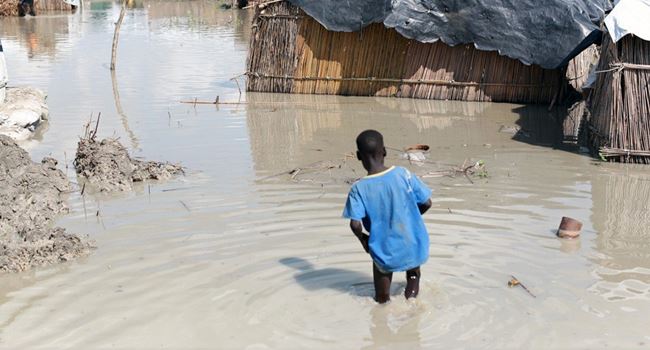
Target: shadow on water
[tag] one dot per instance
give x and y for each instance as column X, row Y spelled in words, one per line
column 539, row 126
column 312, row 278
column 346, row 281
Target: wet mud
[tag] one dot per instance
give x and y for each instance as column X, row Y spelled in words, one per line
column 108, row 167
column 31, row 198
column 23, row 111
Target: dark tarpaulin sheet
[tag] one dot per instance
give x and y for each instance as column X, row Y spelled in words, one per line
column 544, row 32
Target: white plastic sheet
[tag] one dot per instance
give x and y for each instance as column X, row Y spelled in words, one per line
column 72, row 2
column 629, row 17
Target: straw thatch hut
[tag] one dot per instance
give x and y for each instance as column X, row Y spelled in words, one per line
column 52, row 5
column 620, row 101
column 468, row 53
column 11, row 7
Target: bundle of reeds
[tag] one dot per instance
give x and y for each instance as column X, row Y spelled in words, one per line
column 291, row 52
column 577, row 74
column 620, row 102
column 51, row 5
column 573, row 121
column 9, row 8
column 578, row 69
column 272, row 50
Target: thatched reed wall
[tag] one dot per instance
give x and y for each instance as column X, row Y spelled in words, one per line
column 620, row 102
column 51, row 5
column 578, row 69
column 10, row 7
column 577, row 74
column 292, row 53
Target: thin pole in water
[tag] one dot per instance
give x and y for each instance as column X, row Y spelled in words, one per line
column 116, row 36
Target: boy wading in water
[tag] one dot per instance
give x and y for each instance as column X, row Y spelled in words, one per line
column 389, row 203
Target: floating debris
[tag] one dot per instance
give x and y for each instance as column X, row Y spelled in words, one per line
column 418, row 147
column 569, row 228
column 515, row 282
column 477, row 169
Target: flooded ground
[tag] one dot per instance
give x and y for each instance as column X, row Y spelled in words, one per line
column 235, row 256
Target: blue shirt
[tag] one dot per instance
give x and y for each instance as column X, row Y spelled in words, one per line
column 387, row 204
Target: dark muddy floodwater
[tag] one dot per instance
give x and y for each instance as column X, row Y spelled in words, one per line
column 231, row 256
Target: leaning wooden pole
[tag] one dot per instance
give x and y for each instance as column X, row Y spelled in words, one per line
column 116, row 35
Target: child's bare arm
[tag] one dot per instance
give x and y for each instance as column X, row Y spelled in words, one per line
column 357, row 229
column 425, row 206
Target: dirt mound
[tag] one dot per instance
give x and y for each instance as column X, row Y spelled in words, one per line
column 107, row 166
column 31, row 197
column 24, row 110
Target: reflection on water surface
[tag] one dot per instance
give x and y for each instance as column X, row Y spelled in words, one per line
column 235, row 256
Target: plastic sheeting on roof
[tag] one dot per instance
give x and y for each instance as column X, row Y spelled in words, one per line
column 544, row 32
column 629, row 17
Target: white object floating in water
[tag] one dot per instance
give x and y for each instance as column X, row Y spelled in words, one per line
column 416, row 157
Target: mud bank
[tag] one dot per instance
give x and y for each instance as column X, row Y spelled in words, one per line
column 107, row 166
column 23, row 111
column 31, row 197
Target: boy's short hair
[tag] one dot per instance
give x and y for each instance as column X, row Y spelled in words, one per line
column 370, row 142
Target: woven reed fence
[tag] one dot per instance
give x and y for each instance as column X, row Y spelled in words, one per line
column 577, row 73
column 51, row 5
column 10, row 7
column 292, row 53
column 620, row 102
column 578, row 69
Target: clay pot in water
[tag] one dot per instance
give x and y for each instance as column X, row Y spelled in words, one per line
column 569, row 228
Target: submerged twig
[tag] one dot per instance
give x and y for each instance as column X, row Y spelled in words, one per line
column 238, row 87
column 94, row 134
column 216, row 102
column 477, row 168
column 324, row 165
column 515, row 282
column 186, row 207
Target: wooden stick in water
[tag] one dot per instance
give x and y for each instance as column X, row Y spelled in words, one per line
column 515, row 282
column 197, row 102
column 116, row 35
